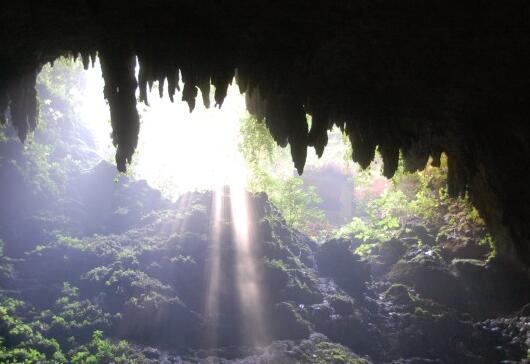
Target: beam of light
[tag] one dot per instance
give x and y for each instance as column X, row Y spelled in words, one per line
column 213, row 271
column 231, row 190
column 180, row 152
column 248, row 282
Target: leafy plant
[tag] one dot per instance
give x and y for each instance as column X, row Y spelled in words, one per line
column 102, row 351
column 298, row 203
column 418, row 198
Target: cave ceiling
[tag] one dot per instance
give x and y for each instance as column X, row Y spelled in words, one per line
column 420, row 77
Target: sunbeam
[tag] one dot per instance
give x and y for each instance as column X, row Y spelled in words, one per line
column 247, row 275
column 213, row 275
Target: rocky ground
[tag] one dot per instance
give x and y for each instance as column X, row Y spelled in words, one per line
column 139, row 269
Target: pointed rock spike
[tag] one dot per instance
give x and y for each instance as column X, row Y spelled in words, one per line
column 161, row 86
column 86, row 60
column 118, row 68
column 390, row 154
column 204, row 86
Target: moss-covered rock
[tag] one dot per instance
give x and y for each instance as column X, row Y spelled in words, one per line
column 399, row 294
column 343, row 305
column 288, row 323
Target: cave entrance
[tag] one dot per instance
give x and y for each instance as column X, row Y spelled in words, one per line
column 177, row 257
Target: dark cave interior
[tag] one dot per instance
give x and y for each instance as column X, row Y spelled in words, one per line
column 412, row 76
column 90, row 256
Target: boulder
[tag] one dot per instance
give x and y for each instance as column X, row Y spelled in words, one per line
column 288, row 323
column 431, row 278
column 336, row 260
column 399, row 294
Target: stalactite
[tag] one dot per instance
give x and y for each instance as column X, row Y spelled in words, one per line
column 93, row 56
column 23, row 105
column 276, row 121
column 117, row 67
column 190, row 91
column 297, row 133
column 85, row 57
column 161, row 81
column 318, row 135
column 143, row 76
column 415, row 157
column 390, row 154
column 436, row 155
column 363, row 145
column 221, row 79
column 204, row 86
column 172, row 83
column 241, row 80
column 4, row 100
column 189, row 94
column 256, row 105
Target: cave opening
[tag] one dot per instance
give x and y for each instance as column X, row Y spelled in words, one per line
column 264, row 182
column 213, row 247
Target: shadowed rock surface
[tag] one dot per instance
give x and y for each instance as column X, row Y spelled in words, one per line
column 146, row 280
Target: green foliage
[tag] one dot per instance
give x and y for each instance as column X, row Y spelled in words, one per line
column 418, row 198
column 278, row 264
column 384, row 218
column 299, row 204
column 72, row 317
column 72, row 242
column 130, row 282
column 333, row 353
column 37, row 168
column 56, row 148
column 102, row 351
column 256, row 143
column 22, row 343
column 62, row 80
column 26, row 343
column 3, row 137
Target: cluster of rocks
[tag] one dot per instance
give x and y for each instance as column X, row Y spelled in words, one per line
column 147, row 272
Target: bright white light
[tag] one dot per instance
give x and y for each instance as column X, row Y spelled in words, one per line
column 178, row 151
column 95, row 114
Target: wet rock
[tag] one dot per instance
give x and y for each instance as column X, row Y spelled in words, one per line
column 525, row 311
column 387, row 254
column 336, row 260
column 487, row 282
column 399, row 294
column 462, row 248
column 423, row 234
column 151, row 353
column 431, row 278
column 117, row 204
column 288, row 323
column 343, row 305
